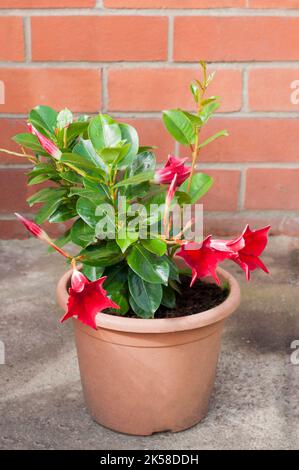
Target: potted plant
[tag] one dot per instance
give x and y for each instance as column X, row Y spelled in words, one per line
column 147, row 328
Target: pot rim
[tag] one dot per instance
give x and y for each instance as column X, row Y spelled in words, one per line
column 163, row 325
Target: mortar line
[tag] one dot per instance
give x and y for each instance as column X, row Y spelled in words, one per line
column 27, row 40
column 157, row 12
column 242, row 189
column 155, row 64
column 245, row 107
column 170, row 39
column 105, row 97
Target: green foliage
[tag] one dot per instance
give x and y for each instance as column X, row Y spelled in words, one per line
column 102, row 160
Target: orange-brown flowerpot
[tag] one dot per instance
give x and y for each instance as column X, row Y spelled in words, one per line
column 145, row 376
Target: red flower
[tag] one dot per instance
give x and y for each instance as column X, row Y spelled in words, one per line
column 247, row 249
column 203, row 259
column 87, row 299
column 46, row 143
column 174, row 166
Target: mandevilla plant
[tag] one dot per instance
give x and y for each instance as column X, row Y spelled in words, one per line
column 100, row 179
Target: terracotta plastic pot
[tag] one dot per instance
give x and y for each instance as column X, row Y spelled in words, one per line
column 145, row 376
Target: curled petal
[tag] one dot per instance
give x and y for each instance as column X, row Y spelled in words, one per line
column 173, row 166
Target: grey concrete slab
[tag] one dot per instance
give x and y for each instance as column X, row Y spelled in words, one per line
column 255, row 402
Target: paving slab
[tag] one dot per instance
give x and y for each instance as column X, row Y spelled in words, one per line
column 255, row 404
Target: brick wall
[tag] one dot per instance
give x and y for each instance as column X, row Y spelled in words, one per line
column 133, row 58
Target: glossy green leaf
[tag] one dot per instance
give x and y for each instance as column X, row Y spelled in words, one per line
column 92, row 272
column 64, row 118
column 146, row 295
column 126, row 239
column 200, row 184
column 136, row 179
column 179, row 126
column 130, row 135
column 117, row 286
column 86, row 150
column 210, row 139
column 154, row 245
column 168, row 298
column 47, row 210
column 62, row 213
column 104, row 132
column 105, row 254
column 139, row 311
column 148, row 266
column 44, row 194
column 44, row 117
column 82, row 234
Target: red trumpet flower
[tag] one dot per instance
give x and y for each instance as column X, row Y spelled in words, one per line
column 87, row 299
column 247, row 249
column 174, row 166
column 202, row 258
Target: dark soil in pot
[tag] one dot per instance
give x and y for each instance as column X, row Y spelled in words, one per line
column 198, row 298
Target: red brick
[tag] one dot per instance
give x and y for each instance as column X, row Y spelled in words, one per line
column 251, row 140
column 273, row 3
column 114, row 38
column 77, row 89
column 270, row 89
column 152, row 132
column 9, row 128
column 46, row 3
column 13, row 190
column 272, row 189
column 235, row 38
column 223, row 195
column 173, row 3
column 11, row 39
column 157, row 89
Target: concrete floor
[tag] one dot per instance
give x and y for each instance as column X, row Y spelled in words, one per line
column 255, row 403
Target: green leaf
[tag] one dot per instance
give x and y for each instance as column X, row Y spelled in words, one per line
column 75, row 130
column 86, row 209
column 44, row 117
column 223, row 133
column 173, row 269
column 64, row 118
column 30, row 141
column 194, row 118
column 168, row 299
column 47, row 210
column 126, row 239
column 117, row 286
column 179, row 126
column 130, row 135
column 208, row 110
column 71, row 176
column 45, row 194
column 200, row 184
column 104, row 132
column 105, row 254
column 82, row 166
column 144, row 161
column 92, row 272
column 149, row 267
column 97, row 196
column 154, row 245
column 139, row 311
column 38, row 179
column 146, row 295
column 82, row 234
column 136, row 179
column 86, row 150
column 62, row 213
